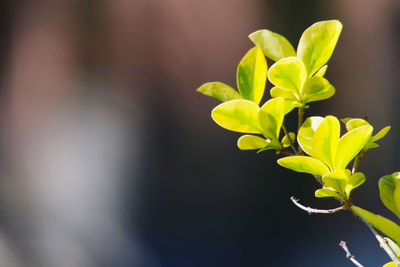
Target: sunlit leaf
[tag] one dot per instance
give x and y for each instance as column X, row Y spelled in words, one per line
column 306, row 133
column 371, row 145
column 285, row 140
column 237, row 115
column 326, row 192
column 219, row 91
column 381, row 134
column 351, row 144
column 271, row 117
column 380, row 223
column 317, row 88
column 304, row 164
column 321, row 72
column 355, row 123
column 337, row 180
column 325, row 140
column 389, row 191
column 354, row 181
column 274, row 45
column 252, row 75
column 288, row 73
column 280, row 92
column 390, row 264
column 248, row 142
column 317, row 43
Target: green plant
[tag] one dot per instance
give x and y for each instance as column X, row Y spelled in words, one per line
column 316, row 147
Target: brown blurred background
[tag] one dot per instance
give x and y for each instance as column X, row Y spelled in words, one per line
column 110, row 158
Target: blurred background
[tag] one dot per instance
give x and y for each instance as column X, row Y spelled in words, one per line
column 110, row 158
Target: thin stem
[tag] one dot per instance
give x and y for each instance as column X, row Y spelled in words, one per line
column 357, row 161
column 300, row 122
column 383, row 244
column 312, row 210
column 290, row 139
column 343, row 245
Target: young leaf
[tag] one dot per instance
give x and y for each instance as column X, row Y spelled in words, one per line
column 317, row 43
column 252, row 75
column 304, row 164
column 380, row 223
column 321, row 72
column 355, row 123
column 288, row 73
column 219, row 91
column 351, row 144
column 326, row 192
column 274, row 45
column 354, row 181
column 237, row 115
column 317, row 88
column 337, row 180
column 286, row 94
column 389, row 191
column 306, row 133
column 271, row 117
column 248, row 142
column 285, row 140
column 325, row 140
column 381, row 134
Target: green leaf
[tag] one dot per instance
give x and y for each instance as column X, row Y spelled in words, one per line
column 325, row 140
column 321, row 72
column 326, row 192
column 345, row 120
column 274, row 45
column 306, row 133
column 337, row 180
column 317, row 43
column 355, row 123
column 351, row 144
column 304, row 164
column 237, row 115
column 317, row 88
column 286, row 94
column 389, row 191
column 252, row 75
column 380, row 223
column 354, row 181
column 381, row 134
column 285, row 140
column 271, row 117
column 390, row 264
column 371, row 145
column 219, row 91
column 289, row 105
column 248, row 142
column 288, row 73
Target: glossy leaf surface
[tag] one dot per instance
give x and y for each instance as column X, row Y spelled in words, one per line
column 304, row 164
column 219, row 91
column 288, row 73
column 252, row 75
column 351, row 144
column 248, row 142
column 306, row 133
column 326, row 192
column 321, row 72
column 271, row 117
column 317, row 88
column 237, row 115
column 326, row 139
column 317, row 43
column 380, row 223
column 389, row 191
column 274, row 45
